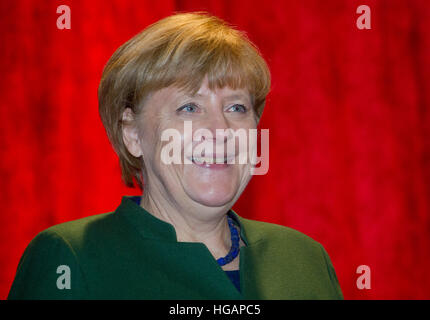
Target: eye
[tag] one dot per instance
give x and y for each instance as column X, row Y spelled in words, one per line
column 237, row 108
column 188, row 108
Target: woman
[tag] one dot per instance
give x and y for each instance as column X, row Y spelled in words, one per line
column 180, row 240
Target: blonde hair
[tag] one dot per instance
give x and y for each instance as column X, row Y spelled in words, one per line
column 180, row 50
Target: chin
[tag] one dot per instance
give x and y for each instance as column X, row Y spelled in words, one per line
column 213, row 186
column 212, row 195
column 214, row 200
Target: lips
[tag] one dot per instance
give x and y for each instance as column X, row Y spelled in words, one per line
column 212, row 165
column 213, row 160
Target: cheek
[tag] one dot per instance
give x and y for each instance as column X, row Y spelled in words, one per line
column 157, row 152
column 150, row 136
column 150, row 144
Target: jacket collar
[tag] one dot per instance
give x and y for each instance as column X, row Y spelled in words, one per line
column 153, row 228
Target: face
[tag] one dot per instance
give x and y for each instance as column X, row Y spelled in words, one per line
column 197, row 182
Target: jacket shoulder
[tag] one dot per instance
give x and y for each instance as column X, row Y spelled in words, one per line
column 275, row 233
column 56, row 249
column 76, row 230
column 303, row 261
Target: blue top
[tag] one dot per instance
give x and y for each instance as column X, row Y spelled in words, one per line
column 233, row 275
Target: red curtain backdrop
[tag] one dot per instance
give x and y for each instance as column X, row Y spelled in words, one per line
column 348, row 116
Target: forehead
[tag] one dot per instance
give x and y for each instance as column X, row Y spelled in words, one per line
column 224, row 92
column 204, row 92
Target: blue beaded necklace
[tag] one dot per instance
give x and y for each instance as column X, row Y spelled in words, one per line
column 234, row 251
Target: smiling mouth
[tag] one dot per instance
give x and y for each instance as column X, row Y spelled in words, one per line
column 212, row 162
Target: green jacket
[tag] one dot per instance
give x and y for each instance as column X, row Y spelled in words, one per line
column 130, row 254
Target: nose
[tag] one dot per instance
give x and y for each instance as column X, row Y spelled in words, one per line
column 219, row 126
column 216, row 131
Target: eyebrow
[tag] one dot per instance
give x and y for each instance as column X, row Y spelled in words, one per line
column 231, row 96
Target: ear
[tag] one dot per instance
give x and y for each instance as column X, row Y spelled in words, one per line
column 130, row 133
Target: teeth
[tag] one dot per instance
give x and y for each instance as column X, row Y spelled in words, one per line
column 211, row 160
